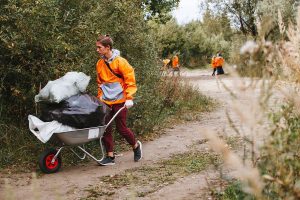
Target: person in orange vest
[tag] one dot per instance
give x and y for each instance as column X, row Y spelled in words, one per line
column 166, row 63
column 175, row 64
column 116, row 87
column 217, row 64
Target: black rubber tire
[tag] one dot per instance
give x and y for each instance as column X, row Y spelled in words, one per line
column 44, row 163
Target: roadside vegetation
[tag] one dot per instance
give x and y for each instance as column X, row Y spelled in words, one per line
column 259, row 39
column 146, row 180
column 269, row 51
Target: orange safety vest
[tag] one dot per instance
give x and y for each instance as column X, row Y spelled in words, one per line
column 112, row 89
column 219, row 61
column 175, row 61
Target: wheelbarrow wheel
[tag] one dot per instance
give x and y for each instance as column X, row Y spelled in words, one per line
column 45, row 163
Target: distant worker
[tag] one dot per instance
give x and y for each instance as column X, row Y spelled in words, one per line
column 166, row 64
column 175, row 64
column 213, row 65
column 217, row 64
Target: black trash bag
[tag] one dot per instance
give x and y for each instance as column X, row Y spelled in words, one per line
column 79, row 111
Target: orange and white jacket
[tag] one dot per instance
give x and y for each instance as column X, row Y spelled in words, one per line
column 219, row 61
column 112, row 89
column 175, row 61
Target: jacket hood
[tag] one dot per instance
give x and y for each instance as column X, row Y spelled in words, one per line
column 115, row 53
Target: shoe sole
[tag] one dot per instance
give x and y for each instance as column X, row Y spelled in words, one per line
column 107, row 164
column 140, row 144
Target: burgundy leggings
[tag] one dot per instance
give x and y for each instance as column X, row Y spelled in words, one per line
column 120, row 121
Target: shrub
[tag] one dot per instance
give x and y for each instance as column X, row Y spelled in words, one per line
column 235, row 192
column 280, row 162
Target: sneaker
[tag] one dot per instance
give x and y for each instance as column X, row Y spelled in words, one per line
column 107, row 161
column 138, row 154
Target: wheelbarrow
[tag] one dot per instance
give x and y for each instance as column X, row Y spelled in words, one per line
column 50, row 160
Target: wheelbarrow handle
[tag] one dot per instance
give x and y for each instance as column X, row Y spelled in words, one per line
column 115, row 116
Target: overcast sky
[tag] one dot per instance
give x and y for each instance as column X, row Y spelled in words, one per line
column 187, row 11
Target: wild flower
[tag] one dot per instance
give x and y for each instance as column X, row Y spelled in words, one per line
column 249, row 47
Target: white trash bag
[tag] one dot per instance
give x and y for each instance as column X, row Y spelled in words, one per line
column 44, row 130
column 70, row 84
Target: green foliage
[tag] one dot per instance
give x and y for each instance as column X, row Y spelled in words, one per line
column 217, row 24
column 280, row 156
column 197, row 41
column 241, row 12
column 200, row 45
column 169, row 36
column 159, row 10
column 244, row 13
column 40, row 41
column 234, row 192
column 269, row 9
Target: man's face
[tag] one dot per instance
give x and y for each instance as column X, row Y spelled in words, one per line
column 102, row 50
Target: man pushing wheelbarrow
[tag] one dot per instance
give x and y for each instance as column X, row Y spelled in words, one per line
column 116, row 87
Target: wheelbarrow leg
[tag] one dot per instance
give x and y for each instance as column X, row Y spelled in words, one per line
column 56, row 155
column 90, row 155
column 80, row 157
column 102, row 149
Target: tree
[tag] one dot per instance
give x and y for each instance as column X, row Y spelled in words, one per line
column 218, row 23
column 159, row 10
column 195, row 41
column 242, row 13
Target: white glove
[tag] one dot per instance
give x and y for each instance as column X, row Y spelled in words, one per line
column 128, row 103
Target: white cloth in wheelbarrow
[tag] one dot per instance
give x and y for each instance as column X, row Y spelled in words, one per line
column 44, row 130
column 79, row 111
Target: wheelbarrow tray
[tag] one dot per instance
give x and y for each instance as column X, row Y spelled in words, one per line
column 80, row 136
column 50, row 161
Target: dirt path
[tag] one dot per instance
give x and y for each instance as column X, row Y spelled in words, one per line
column 72, row 182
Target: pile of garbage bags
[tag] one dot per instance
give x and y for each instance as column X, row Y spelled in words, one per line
column 79, row 111
column 65, row 104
